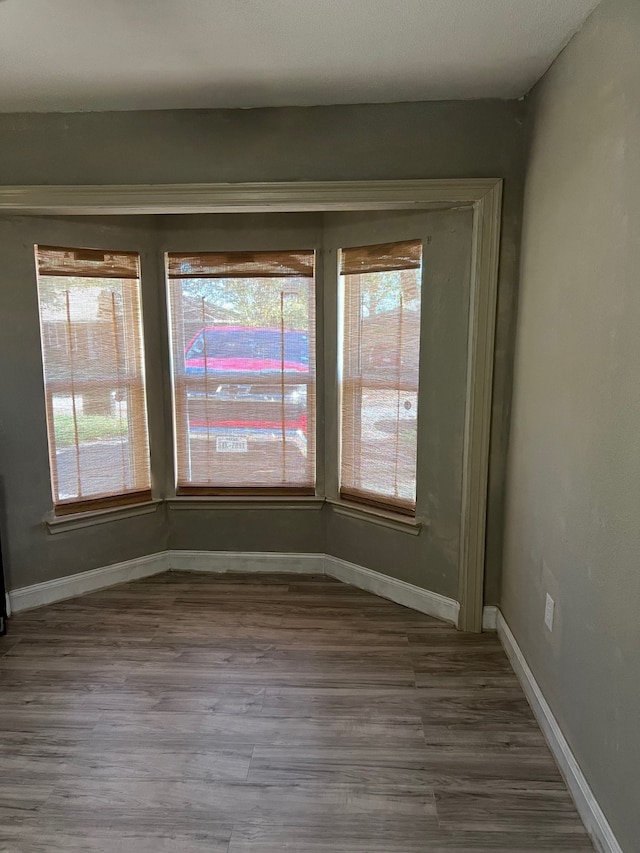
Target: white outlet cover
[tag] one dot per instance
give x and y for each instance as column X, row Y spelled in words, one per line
column 549, row 608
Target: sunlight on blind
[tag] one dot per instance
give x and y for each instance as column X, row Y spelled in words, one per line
column 243, row 357
column 380, row 294
column 91, row 332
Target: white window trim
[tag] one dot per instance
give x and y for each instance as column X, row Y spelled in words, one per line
column 484, row 195
column 75, row 521
column 188, row 502
column 382, row 517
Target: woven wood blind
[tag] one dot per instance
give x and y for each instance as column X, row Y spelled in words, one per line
column 93, row 359
column 87, row 263
column 385, row 257
column 242, row 265
column 379, row 373
column 243, row 354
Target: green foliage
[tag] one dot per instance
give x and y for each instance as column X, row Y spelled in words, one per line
column 259, row 299
column 381, row 291
column 53, row 290
column 255, row 300
column 90, row 428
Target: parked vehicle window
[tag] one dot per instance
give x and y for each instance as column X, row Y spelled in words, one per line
column 254, row 343
column 243, row 366
column 380, row 297
column 93, row 359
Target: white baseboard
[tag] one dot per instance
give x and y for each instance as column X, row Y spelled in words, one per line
column 399, row 591
column 490, row 618
column 245, row 561
column 588, row 808
column 261, row 561
column 57, row 590
column 396, row 590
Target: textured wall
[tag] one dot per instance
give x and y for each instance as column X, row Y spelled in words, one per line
column 574, row 471
column 241, row 529
column 396, row 141
column 32, row 554
column 430, row 560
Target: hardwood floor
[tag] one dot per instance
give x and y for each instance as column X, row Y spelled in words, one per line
column 266, row 713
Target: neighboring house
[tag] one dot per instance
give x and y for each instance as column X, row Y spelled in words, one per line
column 195, row 316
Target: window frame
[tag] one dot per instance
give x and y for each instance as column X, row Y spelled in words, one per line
column 107, row 501
column 483, row 196
column 345, row 321
column 240, row 492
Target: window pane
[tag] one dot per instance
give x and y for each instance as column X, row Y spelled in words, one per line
column 379, row 373
column 243, row 349
column 91, row 330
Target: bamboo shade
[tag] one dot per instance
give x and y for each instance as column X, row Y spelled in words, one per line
column 87, row 263
column 93, row 359
column 384, row 257
column 379, row 374
column 243, row 356
column 299, row 264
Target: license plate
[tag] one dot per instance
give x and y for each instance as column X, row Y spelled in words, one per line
column 231, row 445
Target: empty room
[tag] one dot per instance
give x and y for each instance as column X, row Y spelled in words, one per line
column 319, row 426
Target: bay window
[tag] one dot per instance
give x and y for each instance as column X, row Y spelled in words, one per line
column 380, row 289
column 93, row 360
column 243, row 365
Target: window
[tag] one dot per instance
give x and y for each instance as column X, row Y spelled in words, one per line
column 380, row 298
column 91, row 332
column 243, row 354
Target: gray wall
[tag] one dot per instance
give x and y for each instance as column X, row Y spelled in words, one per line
column 429, row 560
column 32, row 554
column 417, row 140
column 241, row 529
column 574, row 470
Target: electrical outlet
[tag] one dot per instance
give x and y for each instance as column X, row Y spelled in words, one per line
column 549, row 608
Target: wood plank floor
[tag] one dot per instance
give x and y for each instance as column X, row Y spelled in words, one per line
column 266, row 713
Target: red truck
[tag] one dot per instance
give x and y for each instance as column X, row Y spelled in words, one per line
column 247, row 386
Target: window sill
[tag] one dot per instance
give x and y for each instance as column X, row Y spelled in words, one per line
column 385, row 518
column 394, row 521
column 63, row 523
column 245, row 502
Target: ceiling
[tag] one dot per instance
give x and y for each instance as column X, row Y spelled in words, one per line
column 157, row 54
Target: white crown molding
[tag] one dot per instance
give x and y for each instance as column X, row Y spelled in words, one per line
column 28, row 597
column 483, row 195
column 588, row 807
column 283, row 196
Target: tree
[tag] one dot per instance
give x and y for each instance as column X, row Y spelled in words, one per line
column 256, row 301
column 382, row 291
